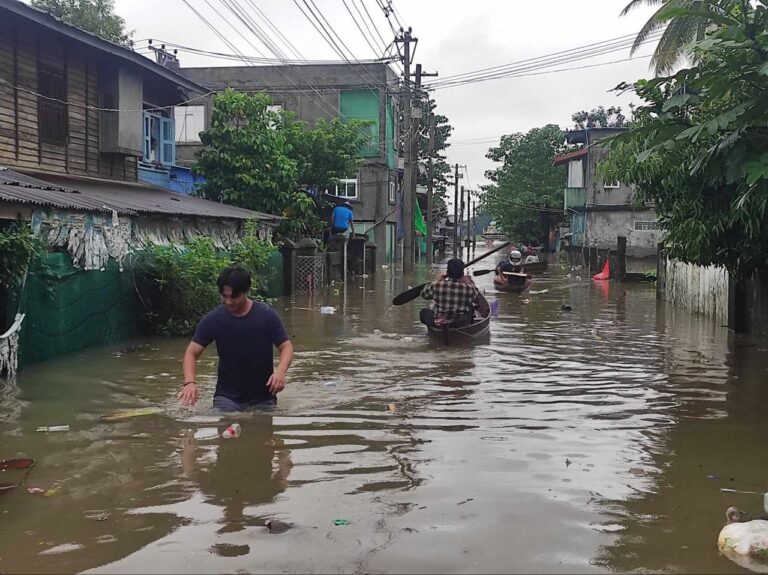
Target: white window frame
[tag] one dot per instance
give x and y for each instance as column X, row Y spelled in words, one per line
column 646, row 226
column 343, row 188
column 392, row 192
column 615, row 185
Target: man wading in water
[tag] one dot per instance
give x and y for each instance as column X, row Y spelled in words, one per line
column 244, row 332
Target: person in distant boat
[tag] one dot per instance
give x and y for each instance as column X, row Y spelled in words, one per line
column 455, row 297
column 342, row 220
column 245, row 331
column 513, row 263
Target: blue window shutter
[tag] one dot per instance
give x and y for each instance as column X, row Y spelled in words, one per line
column 168, row 143
column 147, row 137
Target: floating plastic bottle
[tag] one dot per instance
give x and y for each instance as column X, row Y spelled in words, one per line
column 232, row 431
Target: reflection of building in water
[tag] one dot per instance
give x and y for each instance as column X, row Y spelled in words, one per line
column 249, row 470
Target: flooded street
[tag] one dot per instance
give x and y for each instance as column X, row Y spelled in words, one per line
column 591, row 440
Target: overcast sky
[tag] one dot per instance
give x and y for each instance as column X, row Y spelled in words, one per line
column 454, row 37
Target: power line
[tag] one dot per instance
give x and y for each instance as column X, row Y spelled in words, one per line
column 533, row 64
column 365, row 36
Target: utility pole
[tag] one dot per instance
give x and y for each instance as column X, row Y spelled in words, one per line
column 409, row 179
column 474, row 224
column 430, row 188
column 455, row 210
column 469, row 205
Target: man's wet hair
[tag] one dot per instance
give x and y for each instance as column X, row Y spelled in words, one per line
column 455, row 269
column 235, row 277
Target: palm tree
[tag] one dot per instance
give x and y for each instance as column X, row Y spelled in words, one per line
column 685, row 22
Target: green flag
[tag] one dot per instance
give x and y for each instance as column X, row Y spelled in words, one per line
column 418, row 221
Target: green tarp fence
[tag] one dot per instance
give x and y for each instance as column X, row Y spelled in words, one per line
column 68, row 310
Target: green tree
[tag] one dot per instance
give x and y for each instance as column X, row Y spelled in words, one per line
column 599, row 117
column 246, row 160
column 325, row 153
column 259, row 159
column 685, row 22
column 96, row 16
column 526, row 195
column 698, row 149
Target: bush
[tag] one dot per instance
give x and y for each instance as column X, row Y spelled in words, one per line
column 179, row 286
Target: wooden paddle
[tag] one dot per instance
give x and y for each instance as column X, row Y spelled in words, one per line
column 414, row 292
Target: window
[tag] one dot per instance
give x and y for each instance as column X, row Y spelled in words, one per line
column 190, row 121
column 52, row 112
column 346, row 188
column 611, row 185
column 392, row 193
column 646, row 226
column 159, row 140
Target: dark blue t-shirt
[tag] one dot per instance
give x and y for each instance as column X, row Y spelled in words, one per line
column 245, row 349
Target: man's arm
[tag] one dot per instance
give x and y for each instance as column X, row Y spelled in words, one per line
column 188, row 394
column 276, row 382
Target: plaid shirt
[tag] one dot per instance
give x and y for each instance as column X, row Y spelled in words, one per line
column 452, row 298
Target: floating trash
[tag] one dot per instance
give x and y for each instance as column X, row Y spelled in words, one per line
column 102, row 539
column 341, row 522
column 330, row 384
column 128, row 413
column 96, row 514
column 16, row 464
column 64, row 548
column 327, row 310
column 233, row 431
column 53, row 428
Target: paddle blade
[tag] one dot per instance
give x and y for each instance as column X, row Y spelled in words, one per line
column 9, row 464
column 408, row 295
column 482, row 272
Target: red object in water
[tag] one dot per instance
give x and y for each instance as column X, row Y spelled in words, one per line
column 605, row 274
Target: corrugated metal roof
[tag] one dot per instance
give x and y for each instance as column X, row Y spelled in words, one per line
column 77, row 193
column 570, row 156
column 16, row 187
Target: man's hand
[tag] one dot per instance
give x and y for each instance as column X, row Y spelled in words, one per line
column 188, row 395
column 276, row 382
column 440, row 277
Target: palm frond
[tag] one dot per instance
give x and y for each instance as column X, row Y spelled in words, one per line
column 635, row 3
column 675, row 43
column 654, row 23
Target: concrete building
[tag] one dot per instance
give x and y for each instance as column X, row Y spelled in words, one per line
column 313, row 91
column 600, row 211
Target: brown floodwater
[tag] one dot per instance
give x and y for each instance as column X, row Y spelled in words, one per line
column 591, row 440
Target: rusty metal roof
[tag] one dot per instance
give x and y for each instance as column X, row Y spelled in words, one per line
column 93, row 195
column 569, row 157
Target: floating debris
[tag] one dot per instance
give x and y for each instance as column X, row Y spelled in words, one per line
column 53, row 428
column 327, row 310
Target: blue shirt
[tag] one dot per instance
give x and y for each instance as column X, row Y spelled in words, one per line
column 342, row 216
column 245, row 347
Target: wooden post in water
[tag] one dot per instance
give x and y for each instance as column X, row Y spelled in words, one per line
column 621, row 273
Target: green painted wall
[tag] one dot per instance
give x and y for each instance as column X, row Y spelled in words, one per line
column 363, row 105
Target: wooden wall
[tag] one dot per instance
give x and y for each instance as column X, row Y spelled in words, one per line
column 21, row 48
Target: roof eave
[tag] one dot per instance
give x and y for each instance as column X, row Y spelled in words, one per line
column 52, row 23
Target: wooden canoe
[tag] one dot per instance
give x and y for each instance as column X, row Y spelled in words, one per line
column 470, row 332
column 535, row 268
column 515, row 283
